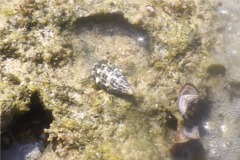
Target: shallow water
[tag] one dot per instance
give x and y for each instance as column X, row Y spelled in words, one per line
column 222, row 137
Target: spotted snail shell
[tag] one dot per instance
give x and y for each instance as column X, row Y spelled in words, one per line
column 110, row 78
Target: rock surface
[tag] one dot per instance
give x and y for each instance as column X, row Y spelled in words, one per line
column 50, row 47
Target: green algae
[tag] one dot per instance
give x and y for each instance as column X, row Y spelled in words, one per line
column 14, row 101
column 56, row 57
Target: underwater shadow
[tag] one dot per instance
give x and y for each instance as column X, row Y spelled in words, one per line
column 129, row 98
column 191, row 150
column 203, row 114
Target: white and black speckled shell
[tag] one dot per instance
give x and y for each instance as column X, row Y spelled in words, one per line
column 110, row 78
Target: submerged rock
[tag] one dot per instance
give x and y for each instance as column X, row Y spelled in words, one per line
column 54, row 44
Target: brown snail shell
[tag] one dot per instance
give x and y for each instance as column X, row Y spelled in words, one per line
column 180, row 137
column 192, row 133
column 185, row 134
column 188, row 100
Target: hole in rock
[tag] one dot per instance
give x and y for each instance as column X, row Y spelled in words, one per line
column 171, row 121
column 25, row 138
column 114, row 24
column 109, row 37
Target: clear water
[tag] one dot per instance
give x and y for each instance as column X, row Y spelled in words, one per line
column 223, row 126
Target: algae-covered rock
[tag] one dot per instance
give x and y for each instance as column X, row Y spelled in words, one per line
column 13, row 101
column 50, row 47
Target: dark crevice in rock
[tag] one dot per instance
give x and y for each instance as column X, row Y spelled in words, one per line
column 171, row 121
column 25, row 137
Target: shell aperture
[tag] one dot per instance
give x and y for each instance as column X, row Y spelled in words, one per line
column 188, row 100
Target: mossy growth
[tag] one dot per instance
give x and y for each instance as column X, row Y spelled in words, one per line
column 13, row 101
column 57, row 59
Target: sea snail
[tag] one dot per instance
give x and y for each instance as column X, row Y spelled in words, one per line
column 110, row 78
column 188, row 101
column 185, row 134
